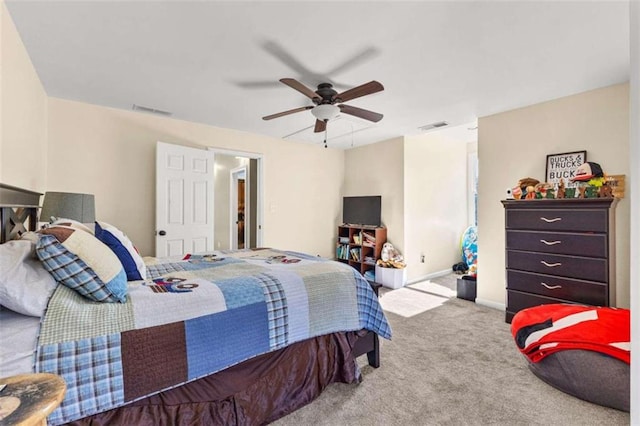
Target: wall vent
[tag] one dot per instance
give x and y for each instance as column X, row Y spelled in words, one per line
column 151, row 110
column 433, row 126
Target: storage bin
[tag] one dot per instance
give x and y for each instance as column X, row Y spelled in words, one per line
column 466, row 288
column 391, row 277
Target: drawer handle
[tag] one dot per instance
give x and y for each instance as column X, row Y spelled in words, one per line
column 550, row 265
column 551, row 287
column 550, row 243
column 555, row 219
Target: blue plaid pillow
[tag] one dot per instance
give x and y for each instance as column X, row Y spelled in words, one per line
column 74, row 270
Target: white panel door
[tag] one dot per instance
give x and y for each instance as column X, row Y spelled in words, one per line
column 184, row 200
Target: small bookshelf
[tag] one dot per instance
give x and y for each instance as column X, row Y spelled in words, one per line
column 360, row 246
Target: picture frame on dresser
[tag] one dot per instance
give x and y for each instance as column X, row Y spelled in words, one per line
column 563, row 166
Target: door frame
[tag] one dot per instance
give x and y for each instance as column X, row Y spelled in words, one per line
column 259, row 190
column 234, row 177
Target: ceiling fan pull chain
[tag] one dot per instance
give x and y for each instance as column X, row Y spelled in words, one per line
column 325, row 134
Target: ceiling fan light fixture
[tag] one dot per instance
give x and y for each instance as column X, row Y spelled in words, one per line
column 325, row 112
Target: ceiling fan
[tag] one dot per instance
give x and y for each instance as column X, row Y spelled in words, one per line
column 325, row 100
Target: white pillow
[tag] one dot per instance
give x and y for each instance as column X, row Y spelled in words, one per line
column 25, row 286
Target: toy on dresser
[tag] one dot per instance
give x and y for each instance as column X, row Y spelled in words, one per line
column 589, row 182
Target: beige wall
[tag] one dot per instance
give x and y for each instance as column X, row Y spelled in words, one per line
column 514, row 144
column 435, row 202
column 23, row 113
column 378, row 169
column 111, row 153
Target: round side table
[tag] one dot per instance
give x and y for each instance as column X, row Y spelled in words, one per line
column 28, row 399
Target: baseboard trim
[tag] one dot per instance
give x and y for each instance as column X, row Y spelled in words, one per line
column 491, row 304
column 429, row 276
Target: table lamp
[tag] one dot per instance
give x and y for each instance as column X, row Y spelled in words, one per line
column 68, row 205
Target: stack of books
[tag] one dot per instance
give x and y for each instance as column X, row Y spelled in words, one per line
column 342, row 251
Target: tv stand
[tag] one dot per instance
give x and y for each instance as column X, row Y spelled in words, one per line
column 360, row 245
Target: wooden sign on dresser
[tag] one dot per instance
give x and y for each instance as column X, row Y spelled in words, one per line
column 559, row 251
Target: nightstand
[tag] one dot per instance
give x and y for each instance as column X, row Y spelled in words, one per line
column 28, row 399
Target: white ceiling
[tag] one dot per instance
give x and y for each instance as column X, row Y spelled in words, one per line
column 219, row 62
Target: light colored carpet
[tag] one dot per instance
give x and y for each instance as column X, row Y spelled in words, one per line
column 415, row 298
column 454, row 364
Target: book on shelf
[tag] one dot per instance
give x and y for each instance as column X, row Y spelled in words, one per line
column 371, row 238
column 355, row 254
column 344, row 240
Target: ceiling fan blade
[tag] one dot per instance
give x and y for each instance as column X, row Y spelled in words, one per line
column 285, row 57
column 356, row 92
column 361, row 57
column 257, row 84
column 362, row 113
column 283, row 113
column 321, row 126
column 295, row 84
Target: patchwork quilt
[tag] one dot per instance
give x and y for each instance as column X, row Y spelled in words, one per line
column 195, row 317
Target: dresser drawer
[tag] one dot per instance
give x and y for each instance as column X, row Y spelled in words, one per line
column 587, row 220
column 517, row 300
column 587, row 292
column 588, row 245
column 584, row 268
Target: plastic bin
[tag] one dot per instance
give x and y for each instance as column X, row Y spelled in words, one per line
column 466, row 288
column 391, row 277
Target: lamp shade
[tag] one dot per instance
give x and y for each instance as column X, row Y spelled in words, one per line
column 68, row 205
column 325, row 112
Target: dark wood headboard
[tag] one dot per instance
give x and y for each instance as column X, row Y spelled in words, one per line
column 18, row 211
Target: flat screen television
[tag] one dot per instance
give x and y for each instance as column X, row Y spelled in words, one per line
column 362, row 210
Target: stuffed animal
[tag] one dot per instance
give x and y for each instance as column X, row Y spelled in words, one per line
column 531, row 193
column 389, row 253
column 560, row 189
column 605, row 191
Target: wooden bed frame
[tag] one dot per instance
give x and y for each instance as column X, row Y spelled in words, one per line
column 326, row 359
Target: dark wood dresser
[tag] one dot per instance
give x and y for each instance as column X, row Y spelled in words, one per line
column 559, row 251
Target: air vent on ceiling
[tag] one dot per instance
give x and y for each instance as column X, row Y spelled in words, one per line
column 151, row 110
column 433, row 126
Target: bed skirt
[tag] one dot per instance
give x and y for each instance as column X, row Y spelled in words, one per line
column 254, row 392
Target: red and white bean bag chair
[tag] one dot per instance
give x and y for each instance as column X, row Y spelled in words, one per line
column 584, row 351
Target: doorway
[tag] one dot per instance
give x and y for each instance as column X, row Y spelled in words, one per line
column 228, row 169
column 239, row 202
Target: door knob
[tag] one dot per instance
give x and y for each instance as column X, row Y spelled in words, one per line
column 162, row 233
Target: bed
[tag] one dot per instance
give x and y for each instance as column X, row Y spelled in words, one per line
column 241, row 337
